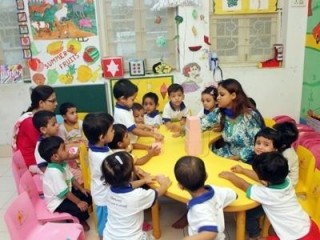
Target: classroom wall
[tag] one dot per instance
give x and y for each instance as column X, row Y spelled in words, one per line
column 276, row 91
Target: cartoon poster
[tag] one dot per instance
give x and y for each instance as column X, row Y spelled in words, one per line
column 244, row 6
column 64, row 41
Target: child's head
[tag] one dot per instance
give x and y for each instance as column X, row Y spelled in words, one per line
column 176, row 94
column 267, row 140
column 46, row 123
column 209, row 98
column 121, row 138
column 125, row 92
column 271, row 167
column 69, row 112
column 138, row 113
column 117, row 169
column 288, row 132
column 150, row 101
column 53, row 149
column 97, row 127
column 190, row 173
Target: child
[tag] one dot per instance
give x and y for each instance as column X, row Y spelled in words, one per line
column 71, row 132
column 71, row 128
column 175, row 110
column 125, row 92
column 152, row 117
column 125, row 204
column 98, row 129
column 277, row 197
column 138, row 116
column 205, row 209
column 46, row 123
column 121, row 142
column 61, row 191
column 289, row 134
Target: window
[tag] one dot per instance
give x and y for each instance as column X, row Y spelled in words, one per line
column 131, row 30
column 10, row 46
column 243, row 39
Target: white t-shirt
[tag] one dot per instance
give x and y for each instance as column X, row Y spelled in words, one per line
column 279, row 202
column 40, row 161
column 96, row 155
column 57, row 182
column 124, row 116
column 125, row 212
column 153, row 119
column 206, row 211
column 293, row 162
column 170, row 114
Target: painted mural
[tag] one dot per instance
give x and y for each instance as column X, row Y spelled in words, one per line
column 310, row 105
column 63, row 41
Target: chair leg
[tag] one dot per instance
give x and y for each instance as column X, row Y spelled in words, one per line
column 265, row 226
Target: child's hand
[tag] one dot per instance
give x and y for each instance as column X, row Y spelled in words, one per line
column 236, row 158
column 85, row 191
column 154, row 151
column 217, row 127
column 83, row 206
column 163, row 180
column 159, row 137
column 148, row 179
column 141, row 173
column 226, row 175
column 237, row 169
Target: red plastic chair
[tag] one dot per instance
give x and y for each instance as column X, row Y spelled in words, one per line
column 22, row 223
column 43, row 214
column 19, row 167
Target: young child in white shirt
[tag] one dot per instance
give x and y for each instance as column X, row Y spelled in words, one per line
column 150, row 102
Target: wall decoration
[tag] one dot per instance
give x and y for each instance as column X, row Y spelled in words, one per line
column 22, row 17
column 112, row 67
column 244, row 6
column 25, row 41
column 173, row 3
column 20, row 4
column 23, row 29
column 192, row 73
column 27, row 53
column 11, row 73
column 136, row 67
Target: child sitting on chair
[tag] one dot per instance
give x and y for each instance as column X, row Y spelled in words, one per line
column 205, row 209
column 61, row 191
column 126, row 204
column 277, row 197
column 150, row 102
column 175, row 110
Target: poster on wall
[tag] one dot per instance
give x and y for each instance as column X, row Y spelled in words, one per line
column 64, row 42
column 244, row 6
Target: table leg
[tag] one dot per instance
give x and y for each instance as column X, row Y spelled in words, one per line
column 241, row 225
column 155, row 215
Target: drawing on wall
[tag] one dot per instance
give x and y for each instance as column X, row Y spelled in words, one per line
column 192, row 73
column 64, row 41
column 244, row 6
column 311, row 76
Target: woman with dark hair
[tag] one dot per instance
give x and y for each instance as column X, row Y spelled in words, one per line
column 25, row 135
column 238, row 120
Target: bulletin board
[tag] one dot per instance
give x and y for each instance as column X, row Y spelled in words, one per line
column 244, row 6
column 158, row 85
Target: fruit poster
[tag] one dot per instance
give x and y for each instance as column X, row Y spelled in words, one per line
column 64, row 41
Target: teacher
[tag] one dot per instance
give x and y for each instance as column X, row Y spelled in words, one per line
column 25, row 135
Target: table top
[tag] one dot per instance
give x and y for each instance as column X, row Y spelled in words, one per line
column 174, row 148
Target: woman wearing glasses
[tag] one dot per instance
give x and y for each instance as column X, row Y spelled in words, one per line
column 25, row 135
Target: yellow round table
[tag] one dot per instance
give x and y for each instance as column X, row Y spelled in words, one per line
column 172, row 150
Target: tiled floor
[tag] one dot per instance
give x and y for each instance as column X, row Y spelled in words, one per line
column 169, row 210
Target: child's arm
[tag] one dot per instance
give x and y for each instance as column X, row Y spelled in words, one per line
column 151, row 153
column 237, row 181
column 202, row 236
column 140, row 146
column 144, row 126
column 144, row 133
column 76, row 185
column 248, row 172
column 164, row 184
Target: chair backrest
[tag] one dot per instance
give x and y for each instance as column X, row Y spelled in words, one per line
column 315, row 195
column 269, row 122
column 84, row 165
column 20, row 217
column 28, row 185
column 283, row 118
column 18, row 167
column 306, row 168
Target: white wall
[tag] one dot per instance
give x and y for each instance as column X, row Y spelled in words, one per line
column 276, row 91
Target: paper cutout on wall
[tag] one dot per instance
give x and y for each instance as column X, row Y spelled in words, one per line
column 244, row 6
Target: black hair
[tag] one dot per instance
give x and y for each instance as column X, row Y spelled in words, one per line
column 64, row 107
column 49, row 146
column 41, row 118
column 96, row 124
column 124, row 88
column 117, row 169
column 39, row 93
column 289, row 134
column 190, row 172
column 252, row 102
column 120, row 131
column 271, row 134
column 213, row 91
column 271, row 167
column 152, row 96
column 137, row 107
column 175, row 87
